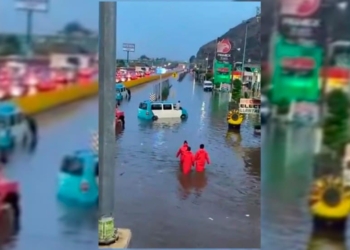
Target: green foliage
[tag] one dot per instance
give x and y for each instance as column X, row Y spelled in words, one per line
column 236, row 90
column 283, row 107
column 10, row 45
column 335, row 127
column 209, row 76
column 192, row 59
column 265, row 80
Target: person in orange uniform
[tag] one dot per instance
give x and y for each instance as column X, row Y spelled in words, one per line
column 201, row 157
column 181, row 151
column 187, row 161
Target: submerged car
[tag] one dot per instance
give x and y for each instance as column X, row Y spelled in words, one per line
column 121, row 92
column 78, row 178
column 9, row 208
column 149, row 110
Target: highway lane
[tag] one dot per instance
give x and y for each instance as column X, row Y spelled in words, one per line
column 162, row 207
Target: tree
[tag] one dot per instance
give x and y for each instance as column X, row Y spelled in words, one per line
column 144, row 58
column 265, row 80
column 75, row 28
column 237, row 90
column 10, row 45
column 335, row 127
column 192, row 59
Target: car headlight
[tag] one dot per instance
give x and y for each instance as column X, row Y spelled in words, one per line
column 16, row 91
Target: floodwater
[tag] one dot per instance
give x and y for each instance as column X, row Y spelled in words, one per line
column 287, row 177
column 163, row 208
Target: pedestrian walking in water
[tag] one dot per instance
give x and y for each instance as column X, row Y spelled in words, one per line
column 188, row 161
column 129, row 93
column 181, row 151
column 201, row 158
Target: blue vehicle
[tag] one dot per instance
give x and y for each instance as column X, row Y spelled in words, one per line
column 14, row 128
column 78, row 178
column 120, row 92
column 149, row 110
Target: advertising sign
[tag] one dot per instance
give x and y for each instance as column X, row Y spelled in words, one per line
column 32, row 5
column 224, row 48
column 302, row 19
column 130, row 47
column 249, row 106
column 296, row 72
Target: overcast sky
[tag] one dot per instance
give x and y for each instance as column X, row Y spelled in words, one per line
column 174, row 30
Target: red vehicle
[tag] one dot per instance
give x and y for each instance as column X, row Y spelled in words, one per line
column 9, row 208
column 120, row 119
column 134, row 76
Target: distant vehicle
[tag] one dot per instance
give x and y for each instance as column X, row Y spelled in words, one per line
column 208, row 86
column 157, row 110
column 9, row 208
column 121, row 92
column 77, row 180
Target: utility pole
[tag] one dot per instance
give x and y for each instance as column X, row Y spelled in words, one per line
column 29, row 31
column 244, row 48
column 107, row 64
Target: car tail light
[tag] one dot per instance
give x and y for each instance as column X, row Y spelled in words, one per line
column 84, row 186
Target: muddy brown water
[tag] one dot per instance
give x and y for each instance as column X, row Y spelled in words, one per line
column 287, row 176
column 164, row 209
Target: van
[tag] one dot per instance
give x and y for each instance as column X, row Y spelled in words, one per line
column 121, row 92
column 13, row 119
column 157, row 110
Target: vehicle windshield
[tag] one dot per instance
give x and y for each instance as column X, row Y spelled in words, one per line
column 4, row 120
column 72, row 166
column 143, row 106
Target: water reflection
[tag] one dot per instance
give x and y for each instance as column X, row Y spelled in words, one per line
column 193, row 183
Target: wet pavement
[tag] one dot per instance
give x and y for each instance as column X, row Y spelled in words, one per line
column 287, row 176
column 163, row 208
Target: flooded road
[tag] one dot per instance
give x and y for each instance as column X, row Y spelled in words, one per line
column 287, row 176
column 162, row 207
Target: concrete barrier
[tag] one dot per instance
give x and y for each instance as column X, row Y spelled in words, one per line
column 48, row 100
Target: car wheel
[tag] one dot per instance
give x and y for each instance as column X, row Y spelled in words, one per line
column 154, row 118
column 183, row 117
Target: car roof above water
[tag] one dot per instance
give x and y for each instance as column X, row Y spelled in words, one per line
column 207, row 82
column 119, row 85
column 8, row 108
column 160, row 102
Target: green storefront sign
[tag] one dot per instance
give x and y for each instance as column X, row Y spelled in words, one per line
column 296, row 72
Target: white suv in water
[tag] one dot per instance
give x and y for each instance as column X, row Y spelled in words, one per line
column 208, row 86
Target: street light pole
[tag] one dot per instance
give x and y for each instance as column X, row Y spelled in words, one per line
column 29, row 31
column 244, row 48
column 107, row 103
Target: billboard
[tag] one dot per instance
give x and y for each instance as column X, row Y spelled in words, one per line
column 249, row 106
column 302, row 19
column 296, row 72
column 129, row 47
column 32, row 5
column 224, row 49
